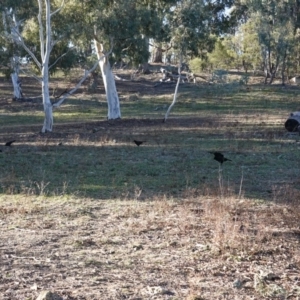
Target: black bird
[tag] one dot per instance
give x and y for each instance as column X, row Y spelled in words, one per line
column 138, row 143
column 220, row 157
column 8, row 144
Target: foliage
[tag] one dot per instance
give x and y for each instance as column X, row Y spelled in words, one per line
column 267, row 36
column 241, row 50
column 198, row 65
column 189, row 29
column 276, row 26
column 220, row 56
column 9, row 10
column 247, row 45
column 129, row 23
column 5, row 59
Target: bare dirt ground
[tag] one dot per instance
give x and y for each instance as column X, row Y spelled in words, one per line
column 199, row 249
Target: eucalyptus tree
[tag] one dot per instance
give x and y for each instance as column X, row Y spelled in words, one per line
column 241, row 49
column 222, row 56
column 10, row 58
column 124, row 27
column 160, row 42
column 49, row 39
column 11, row 54
column 247, row 46
column 276, row 25
column 192, row 24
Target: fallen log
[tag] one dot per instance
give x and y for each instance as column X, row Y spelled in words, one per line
column 292, row 124
column 168, row 76
column 193, row 77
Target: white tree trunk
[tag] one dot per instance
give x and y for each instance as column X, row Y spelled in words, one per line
column 46, row 47
column 112, row 97
column 15, row 78
column 10, row 23
column 48, row 121
column 176, row 90
column 16, row 85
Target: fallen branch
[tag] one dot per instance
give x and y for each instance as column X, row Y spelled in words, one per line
column 193, row 77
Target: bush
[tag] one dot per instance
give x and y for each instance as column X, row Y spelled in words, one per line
column 197, row 65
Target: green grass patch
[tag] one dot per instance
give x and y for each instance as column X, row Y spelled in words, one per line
column 247, row 125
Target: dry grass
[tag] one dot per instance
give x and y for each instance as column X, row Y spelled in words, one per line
column 196, row 248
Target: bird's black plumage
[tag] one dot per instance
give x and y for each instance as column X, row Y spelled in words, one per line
column 138, row 143
column 218, row 156
column 9, row 143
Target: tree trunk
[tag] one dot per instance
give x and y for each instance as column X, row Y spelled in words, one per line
column 245, row 66
column 144, row 68
column 270, row 69
column 176, row 90
column 272, row 78
column 283, row 68
column 274, row 69
column 112, row 97
column 157, row 57
column 14, row 60
column 48, row 121
column 265, row 66
column 16, row 82
column 266, row 74
column 46, row 48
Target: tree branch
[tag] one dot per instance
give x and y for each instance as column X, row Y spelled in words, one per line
column 59, row 9
column 41, row 30
column 86, row 74
column 16, row 37
column 4, row 21
column 31, row 75
column 111, row 42
column 162, row 50
column 60, row 57
column 22, row 43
